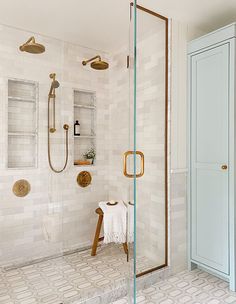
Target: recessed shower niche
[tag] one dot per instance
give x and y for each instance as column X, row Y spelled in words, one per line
column 84, row 114
column 22, row 124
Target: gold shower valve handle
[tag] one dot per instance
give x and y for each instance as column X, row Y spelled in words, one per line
column 126, row 154
column 224, row 167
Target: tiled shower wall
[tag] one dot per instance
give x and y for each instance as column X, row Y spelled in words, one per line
column 150, row 138
column 54, row 198
column 180, row 34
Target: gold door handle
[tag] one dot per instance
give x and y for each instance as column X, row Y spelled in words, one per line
column 224, row 167
column 126, row 154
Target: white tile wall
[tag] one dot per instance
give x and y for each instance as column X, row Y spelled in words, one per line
column 151, row 140
column 69, row 207
column 181, row 33
column 120, row 113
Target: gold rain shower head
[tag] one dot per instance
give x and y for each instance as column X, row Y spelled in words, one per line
column 97, row 64
column 32, row 47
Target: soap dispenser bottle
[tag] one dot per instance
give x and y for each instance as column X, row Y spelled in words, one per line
column 77, row 128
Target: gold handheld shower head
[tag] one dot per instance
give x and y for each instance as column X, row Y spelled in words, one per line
column 97, row 64
column 54, row 85
column 32, row 47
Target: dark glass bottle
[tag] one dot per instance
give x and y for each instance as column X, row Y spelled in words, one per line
column 77, row 128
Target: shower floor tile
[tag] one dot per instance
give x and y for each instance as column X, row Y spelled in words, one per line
column 67, row 279
column 195, row 287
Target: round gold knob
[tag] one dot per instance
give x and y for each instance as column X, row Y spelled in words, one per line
column 224, row 167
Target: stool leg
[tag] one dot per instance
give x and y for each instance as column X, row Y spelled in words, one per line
column 125, row 246
column 97, row 234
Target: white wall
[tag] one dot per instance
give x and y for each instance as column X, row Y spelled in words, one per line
column 180, row 35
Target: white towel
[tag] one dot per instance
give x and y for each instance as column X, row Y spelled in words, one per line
column 130, row 222
column 114, row 222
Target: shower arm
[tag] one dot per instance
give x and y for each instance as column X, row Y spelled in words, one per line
column 89, row 60
column 31, row 39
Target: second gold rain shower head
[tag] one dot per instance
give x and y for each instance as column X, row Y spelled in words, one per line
column 97, row 64
column 32, row 47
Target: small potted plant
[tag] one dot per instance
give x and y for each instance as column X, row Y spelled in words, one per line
column 90, row 154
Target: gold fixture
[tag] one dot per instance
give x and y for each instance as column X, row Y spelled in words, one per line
column 126, row 154
column 52, row 129
column 84, row 179
column 224, row 167
column 32, row 47
column 21, row 188
column 97, row 64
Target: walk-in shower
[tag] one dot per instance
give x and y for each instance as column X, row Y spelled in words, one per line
column 52, row 126
column 54, row 226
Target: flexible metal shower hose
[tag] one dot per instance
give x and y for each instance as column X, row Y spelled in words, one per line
column 66, row 128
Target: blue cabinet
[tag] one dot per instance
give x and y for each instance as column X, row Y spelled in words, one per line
column 211, row 195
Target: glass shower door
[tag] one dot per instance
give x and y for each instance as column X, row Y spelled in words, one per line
column 129, row 159
column 110, row 268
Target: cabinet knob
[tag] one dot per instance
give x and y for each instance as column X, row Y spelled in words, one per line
column 224, row 167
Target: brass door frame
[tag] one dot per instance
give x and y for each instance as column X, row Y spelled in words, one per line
column 166, row 20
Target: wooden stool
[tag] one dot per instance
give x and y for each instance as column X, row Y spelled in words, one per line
column 97, row 237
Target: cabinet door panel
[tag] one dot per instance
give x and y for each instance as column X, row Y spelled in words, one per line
column 209, row 151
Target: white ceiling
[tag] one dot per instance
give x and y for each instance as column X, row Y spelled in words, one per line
column 103, row 24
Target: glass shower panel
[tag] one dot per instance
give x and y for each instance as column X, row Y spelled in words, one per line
column 151, row 137
column 129, row 158
column 113, row 135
